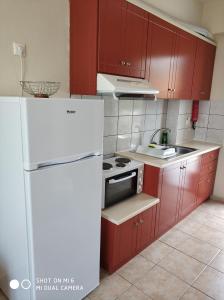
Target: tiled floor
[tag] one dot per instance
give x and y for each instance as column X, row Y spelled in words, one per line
column 187, row 263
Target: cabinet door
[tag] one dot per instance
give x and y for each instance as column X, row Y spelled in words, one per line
column 111, row 31
column 185, row 53
column 160, row 56
column 146, row 233
column 190, row 185
column 135, row 41
column 203, row 71
column 169, row 199
column 127, row 240
column 205, row 188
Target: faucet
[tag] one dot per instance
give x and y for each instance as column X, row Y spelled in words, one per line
column 155, row 133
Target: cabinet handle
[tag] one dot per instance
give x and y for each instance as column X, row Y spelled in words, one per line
column 173, row 90
column 136, row 224
column 184, row 167
column 123, row 63
column 181, row 168
column 169, row 90
column 141, row 221
column 128, row 64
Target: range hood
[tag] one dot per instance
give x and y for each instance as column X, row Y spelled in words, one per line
column 119, row 86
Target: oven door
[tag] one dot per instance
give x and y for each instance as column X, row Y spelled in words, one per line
column 120, row 187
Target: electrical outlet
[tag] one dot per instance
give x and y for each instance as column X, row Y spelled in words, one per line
column 19, row 49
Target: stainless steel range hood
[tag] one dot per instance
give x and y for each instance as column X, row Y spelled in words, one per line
column 119, row 86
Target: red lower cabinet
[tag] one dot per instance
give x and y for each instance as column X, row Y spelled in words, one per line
column 191, row 177
column 119, row 243
column 205, row 188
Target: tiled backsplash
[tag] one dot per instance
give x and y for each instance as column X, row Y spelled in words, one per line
column 179, row 121
column 210, row 126
column 129, row 123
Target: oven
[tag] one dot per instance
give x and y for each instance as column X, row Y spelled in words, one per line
column 122, row 185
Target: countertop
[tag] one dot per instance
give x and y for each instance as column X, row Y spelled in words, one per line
column 123, row 211
column 202, row 147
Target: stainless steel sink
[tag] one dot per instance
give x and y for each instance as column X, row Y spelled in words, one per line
column 180, row 150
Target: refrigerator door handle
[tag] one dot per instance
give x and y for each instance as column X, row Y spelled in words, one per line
column 33, row 167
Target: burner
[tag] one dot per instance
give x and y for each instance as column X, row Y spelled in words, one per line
column 107, row 166
column 120, row 165
column 123, row 160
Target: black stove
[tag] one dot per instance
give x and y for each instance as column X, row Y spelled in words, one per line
column 120, row 165
column 122, row 160
column 107, row 166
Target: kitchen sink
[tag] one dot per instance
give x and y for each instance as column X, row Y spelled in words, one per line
column 180, row 150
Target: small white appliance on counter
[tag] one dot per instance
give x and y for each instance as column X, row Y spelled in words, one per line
column 50, row 197
column 122, row 178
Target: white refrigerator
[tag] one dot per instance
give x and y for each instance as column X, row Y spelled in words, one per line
column 50, row 197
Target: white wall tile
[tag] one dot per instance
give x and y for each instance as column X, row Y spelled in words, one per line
column 161, row 121
column 202, row 120
column 184, row 121
column 125, row 107
column 161, row 107
column 151, row 107
column 138, row 123
column 136, row 140
column 110, row 125
column 124, row 124
column 150, row 122
column 139, row 107
column 216, row 122
column 109, row 145
column 184, row 135
column 110, row 106
column 215, row 136
column 217, row 107
column 185, row 107
column 204, row 107
column 124, row 142
column 200, row 134
column 147, row 137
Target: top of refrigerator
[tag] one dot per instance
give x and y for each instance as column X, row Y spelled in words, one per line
column 58, row 131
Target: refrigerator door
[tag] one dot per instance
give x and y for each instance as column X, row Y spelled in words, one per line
column 60, row 130
column 64, row 212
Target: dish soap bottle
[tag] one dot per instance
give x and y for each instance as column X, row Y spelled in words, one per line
column 164, row 138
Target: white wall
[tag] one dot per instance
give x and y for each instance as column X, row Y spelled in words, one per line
column 188, row 11
column 217, row 92
column 212, row 17
column 43, row 26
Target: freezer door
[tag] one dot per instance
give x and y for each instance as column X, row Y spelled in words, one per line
column 60, row 130
column 64, row 212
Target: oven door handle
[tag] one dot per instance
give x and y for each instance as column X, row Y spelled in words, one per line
column 113, row 181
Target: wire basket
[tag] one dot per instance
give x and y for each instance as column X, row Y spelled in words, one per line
column 41, row 89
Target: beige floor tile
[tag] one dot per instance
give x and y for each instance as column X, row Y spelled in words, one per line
column 216, row 223
column 2, row 296
column 218, row 262
column 156, row 251
column 135, row 269
column 110, row 288
column 198, row 217
column 210, row 235
column 214, row 208
column 188, row 226
column 174, row 237
column 161, row 285
column 182, row 266
column 198, row 249
column 193, row 294
column 211, row 282
column 103, row 274
column 133, row 294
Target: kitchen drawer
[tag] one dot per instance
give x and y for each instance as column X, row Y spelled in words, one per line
column 208, row 167
column 210, row 156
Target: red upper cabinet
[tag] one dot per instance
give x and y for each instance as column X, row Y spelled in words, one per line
column 185, row 52
column 135, row 41
column 122, row 38
column 160, row 55
column 111, row 30
column 203, row 72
